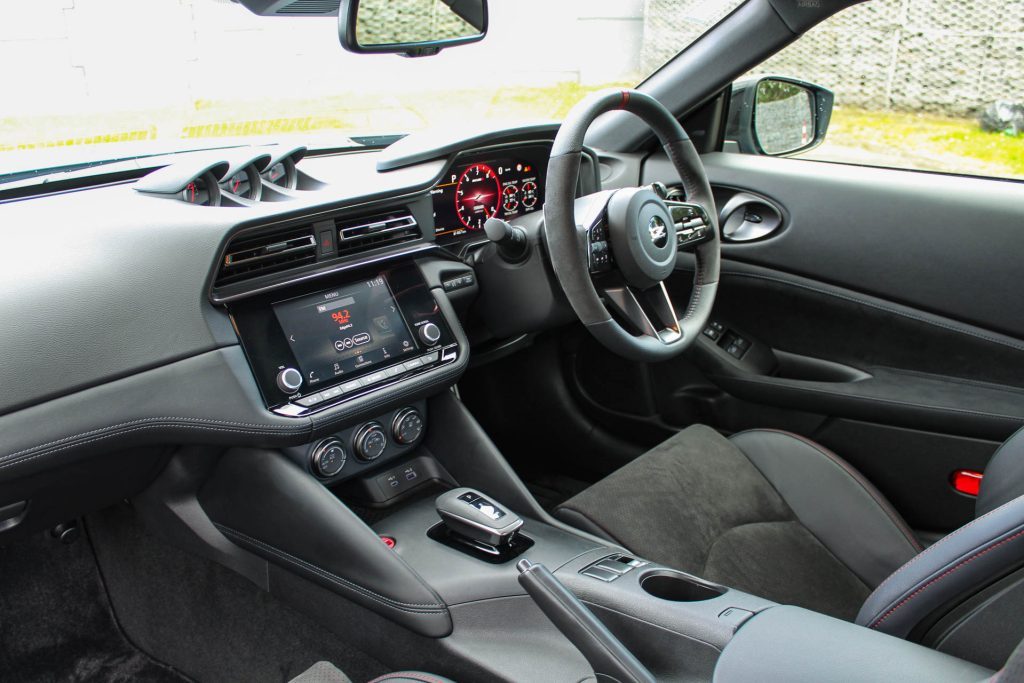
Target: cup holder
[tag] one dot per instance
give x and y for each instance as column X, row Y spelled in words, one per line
column 678, row 587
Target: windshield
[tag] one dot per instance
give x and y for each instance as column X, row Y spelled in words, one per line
column 108, row 78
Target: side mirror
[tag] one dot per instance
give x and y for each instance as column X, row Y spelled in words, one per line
column 777, row 116
column 414, row 28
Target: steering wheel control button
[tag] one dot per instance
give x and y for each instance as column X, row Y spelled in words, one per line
column 407, row 426
column 289, row 380
column 691, row 224
column 600, row 252
column 328, row 458
column 429, row 333
column 370, row 441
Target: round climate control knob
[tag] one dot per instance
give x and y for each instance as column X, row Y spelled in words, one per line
column 430, row 333
column 407, row 427
column 328, row 457
column 370, row 441
column 289, row 380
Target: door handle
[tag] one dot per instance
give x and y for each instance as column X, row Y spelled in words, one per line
column 746, row 217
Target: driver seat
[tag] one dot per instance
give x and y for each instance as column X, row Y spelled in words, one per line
column 779, row 516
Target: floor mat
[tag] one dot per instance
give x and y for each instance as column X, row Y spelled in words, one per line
column 207, row 621
column 56, row 623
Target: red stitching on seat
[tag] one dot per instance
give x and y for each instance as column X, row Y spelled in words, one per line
column 944, row 575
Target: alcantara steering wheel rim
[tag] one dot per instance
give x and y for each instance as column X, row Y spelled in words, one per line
column 626, row 241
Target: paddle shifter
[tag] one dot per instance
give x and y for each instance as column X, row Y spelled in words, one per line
column 478, row 522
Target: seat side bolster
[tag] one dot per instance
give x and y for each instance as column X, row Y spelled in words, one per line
column 963, row 562
column 1004, row 475
column 843, row 510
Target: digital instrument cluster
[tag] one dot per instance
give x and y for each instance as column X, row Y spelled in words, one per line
column 473, row 190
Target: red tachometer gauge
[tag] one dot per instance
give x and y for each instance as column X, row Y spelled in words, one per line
column 477, row 196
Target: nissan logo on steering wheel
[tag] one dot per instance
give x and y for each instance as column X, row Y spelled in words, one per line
column 659, row 231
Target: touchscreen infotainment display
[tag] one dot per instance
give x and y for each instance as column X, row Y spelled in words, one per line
column 341, row 332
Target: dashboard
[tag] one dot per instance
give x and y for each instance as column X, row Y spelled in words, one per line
column 501, row 183
column 250, row 296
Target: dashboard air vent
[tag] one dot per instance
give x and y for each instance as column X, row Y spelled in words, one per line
column 360, row 234
column 249, row 257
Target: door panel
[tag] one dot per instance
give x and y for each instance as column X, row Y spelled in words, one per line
column 884, row 316
column 951, row 245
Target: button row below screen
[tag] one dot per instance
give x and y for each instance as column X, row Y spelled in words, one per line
column 368, row 380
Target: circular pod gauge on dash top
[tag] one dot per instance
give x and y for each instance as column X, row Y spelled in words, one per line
column 283, row 174
column 477, row 196
column 245, row 184
column 202, row 191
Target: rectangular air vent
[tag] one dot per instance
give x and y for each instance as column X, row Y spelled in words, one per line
column 356, row 235
column 249, row 257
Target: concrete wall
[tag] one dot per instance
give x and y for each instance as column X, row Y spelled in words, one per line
column 944, row 56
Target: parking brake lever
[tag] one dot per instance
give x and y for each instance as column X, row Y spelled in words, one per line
column 606, row 654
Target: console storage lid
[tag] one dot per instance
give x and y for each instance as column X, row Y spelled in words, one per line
column 790, row 645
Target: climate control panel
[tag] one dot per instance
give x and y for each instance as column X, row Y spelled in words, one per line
column 363, row 447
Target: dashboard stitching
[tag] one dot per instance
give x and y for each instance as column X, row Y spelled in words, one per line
column 334, row 578
column 197, row 420
column 12, row 459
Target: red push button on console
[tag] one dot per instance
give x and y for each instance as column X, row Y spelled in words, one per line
column 388, row 541
column 967, row 482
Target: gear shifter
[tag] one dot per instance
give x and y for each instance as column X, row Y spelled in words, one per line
column 472, row 518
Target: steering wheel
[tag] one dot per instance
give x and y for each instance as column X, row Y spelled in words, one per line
column 624, row 243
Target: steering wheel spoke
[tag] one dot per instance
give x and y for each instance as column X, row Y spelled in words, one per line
column 692, row 225
column 650, row 313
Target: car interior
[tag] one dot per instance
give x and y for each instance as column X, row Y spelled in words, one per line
column 621, row 397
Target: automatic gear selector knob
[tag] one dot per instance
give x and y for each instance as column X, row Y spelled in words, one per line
column 470, row 514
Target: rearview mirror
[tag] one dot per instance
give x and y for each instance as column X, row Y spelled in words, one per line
column 777, row 116
column 414, row 28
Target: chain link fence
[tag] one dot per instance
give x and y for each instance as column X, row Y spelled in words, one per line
column 939, row 56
